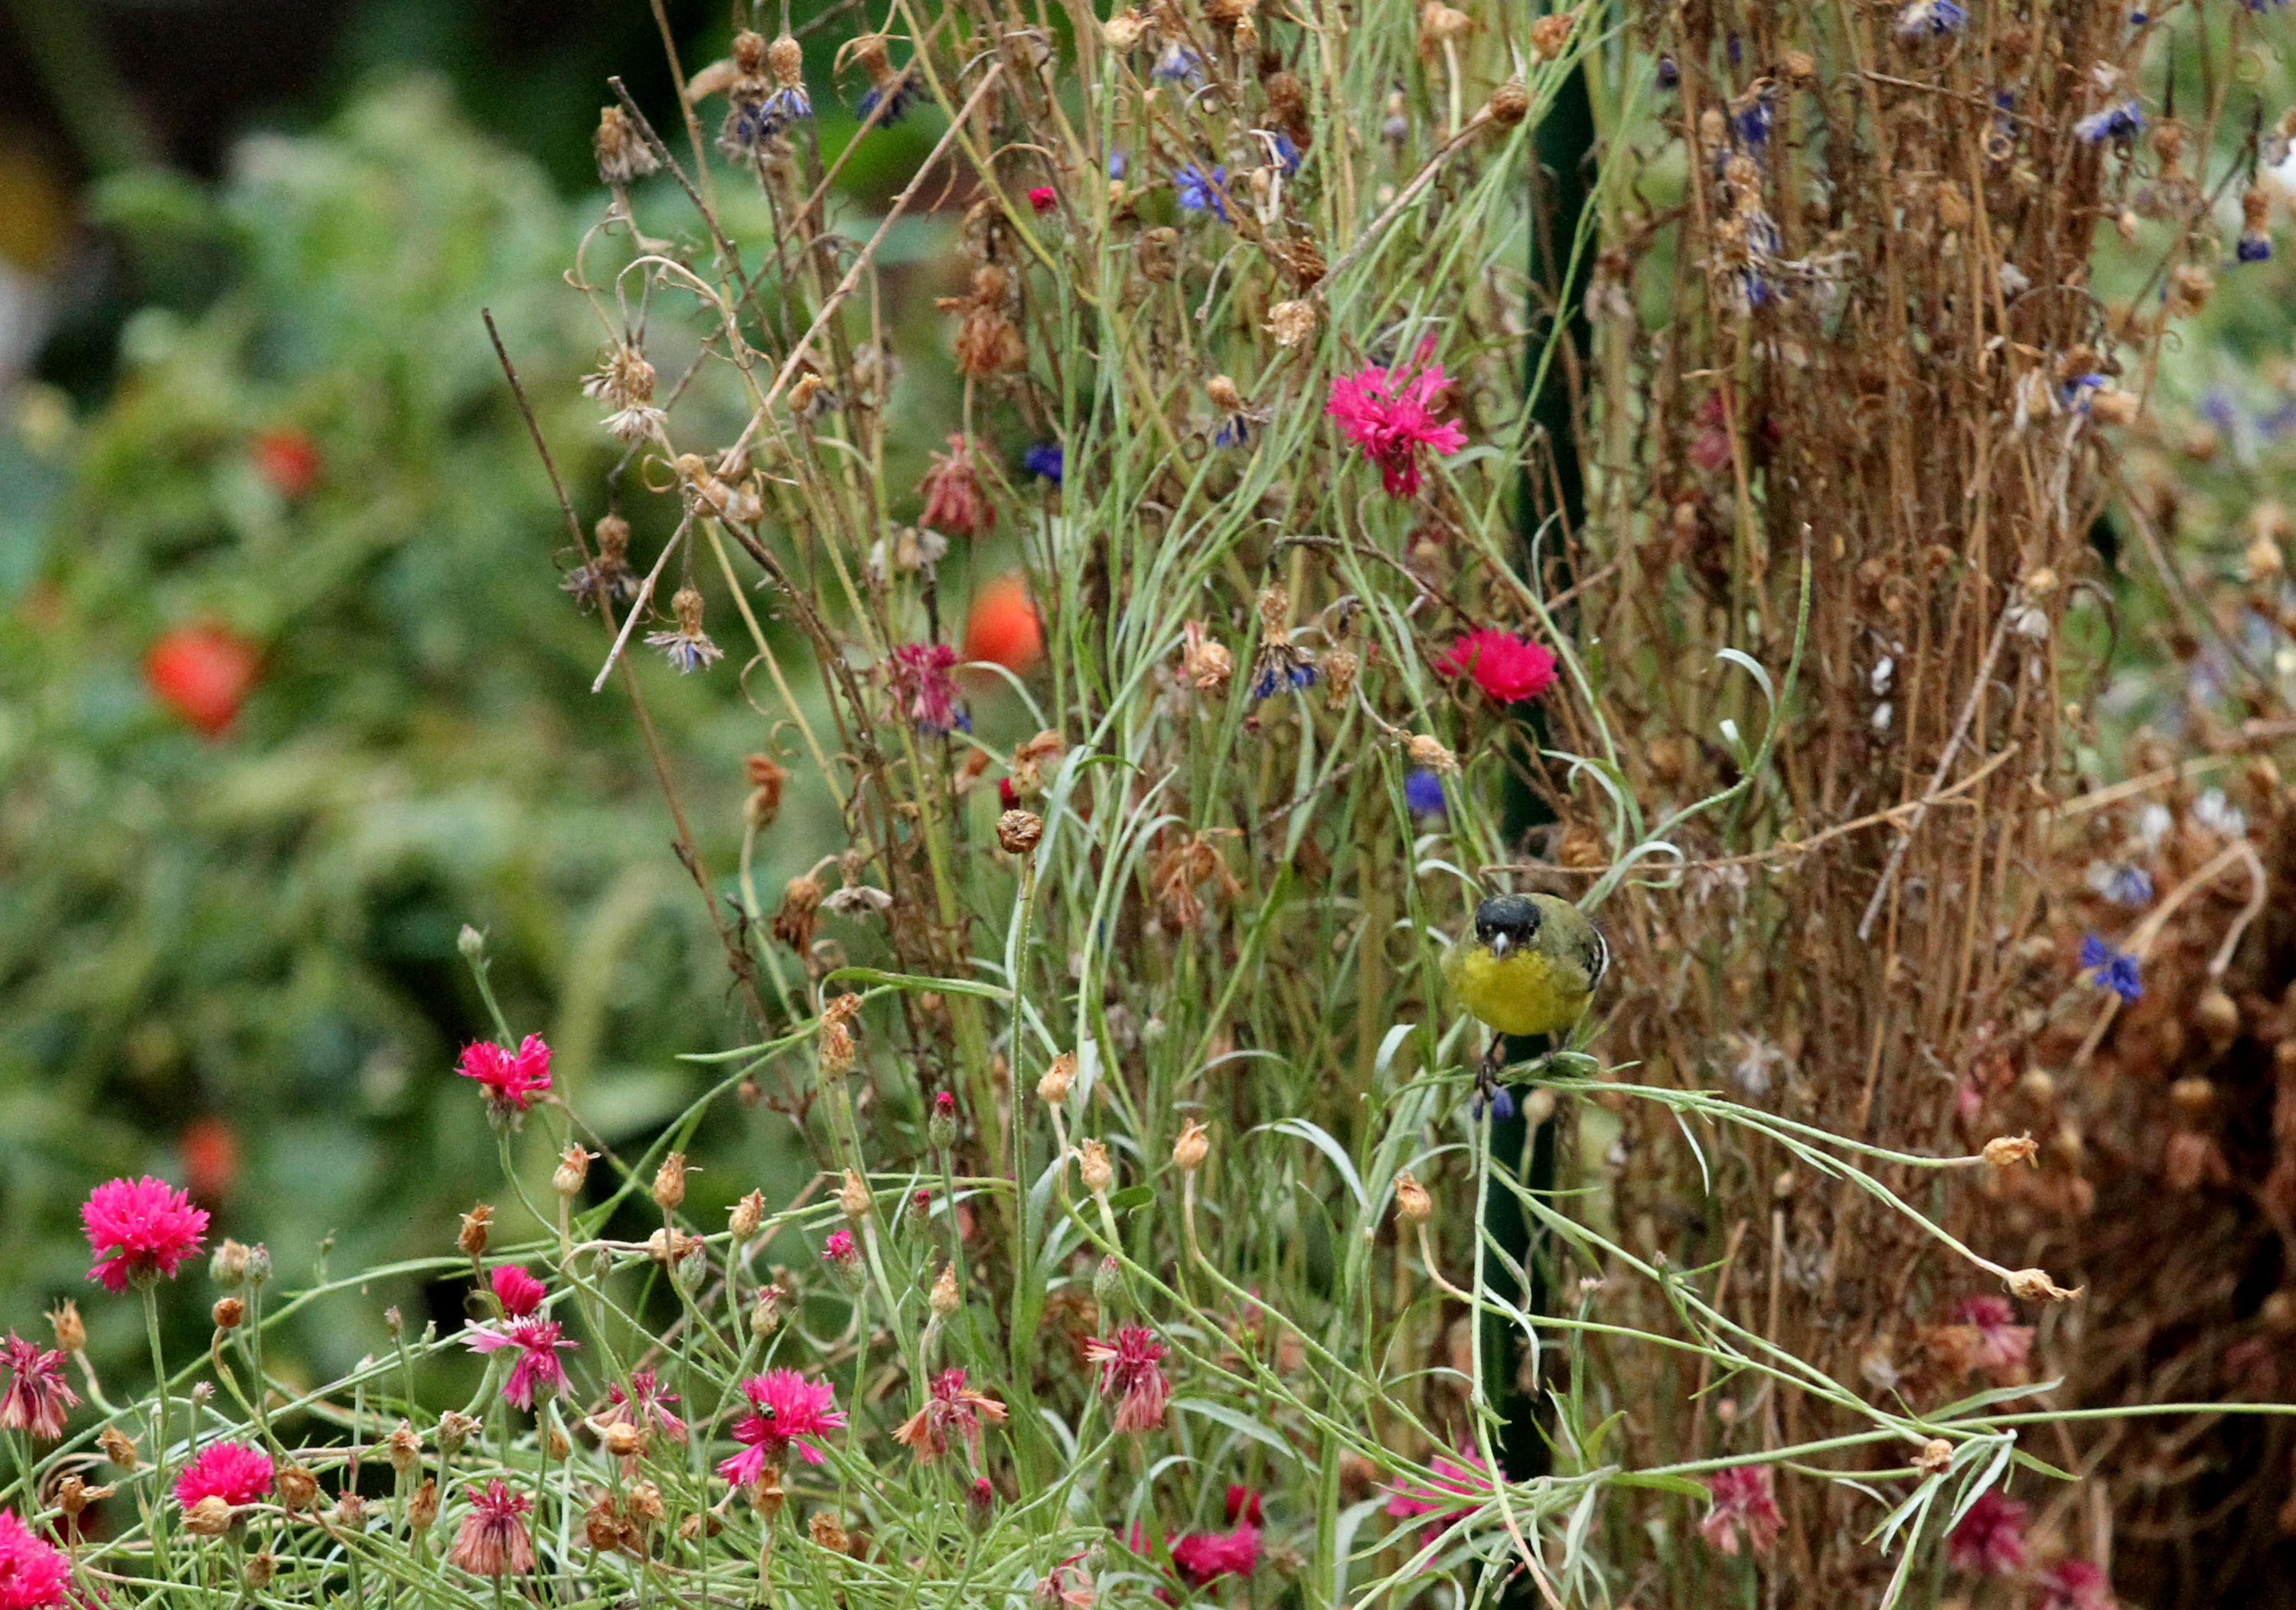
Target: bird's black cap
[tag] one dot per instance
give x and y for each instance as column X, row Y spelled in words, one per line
column 1514, row 915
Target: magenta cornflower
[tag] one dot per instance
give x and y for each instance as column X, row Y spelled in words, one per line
column 1131, row 1371
column 1202, row 1556
column 492, row 1541
column 519, row 1292
column 2000, row 1344
column 787, row 1409
column 1744, row 1509
column 538, row 1342
column 33, row 1573
column 839, row 1248
column 950, row 1406
column 514, row 1079
column 37, row 1393
column 954, row 502
column 140, row 1230
column 647, row 1404
column 2075, row 1585
column 1389, row 415
column 1990, row 1541
column 923, row 690
column 237, row 1473
column 1504, row 665
column 1459, row 1486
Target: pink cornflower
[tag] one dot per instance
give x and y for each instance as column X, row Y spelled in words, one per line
column 954, row 504
column 492, row 1540
column 2000, row 1345
column 1129, row 1368
column 1389, row 415
column 2075, row 1585
column 950, row 1405
column 538, row 1342
column 519, row 1292
column 646, row 1404
column 139, row 1231
column 237, row 1473
column 514, row 1079
column 1243, row 1505
column 840, row 1248
column 787, row 1409
column 33, row 1573
column 1990, row 1541
column 924, row 691
column 1742, row 1509
column 1044, row 198
column 1504, row 665
column 37, row 1393
column 1202, row 1556
column 1459, row 1487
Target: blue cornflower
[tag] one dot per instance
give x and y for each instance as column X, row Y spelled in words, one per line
column 1754, row 119
column 1286, row 155
column 1179, row 65
column 1423, row 793
column 1669, row 75
column 1044, row 459
column 2254, row 246
column 895, row 95
column 2116, row 970
column 789, row 105
column 2118, row 121
column 1502, row 1103
column 1198, row 192
column 2123, row 884
column 1280, row 673
column 1116, row 163
column 1932, row 17
column 2076, row 392
column 1234, row 431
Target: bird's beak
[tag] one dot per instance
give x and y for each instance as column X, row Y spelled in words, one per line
column 1500, row 945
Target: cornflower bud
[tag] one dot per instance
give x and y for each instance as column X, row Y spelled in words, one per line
column 393, row 1322
column 1936, row 1455
column 456, row 1429
column 474, row 1238
column 228, row 1312
column 572, row 1172
column 766, row 1317
column 842, row 1253
column 1052, row 1089
column 981, row 1504
column 2003, row 1150
column 74, row 1495
column 1412, row 1205
column 1429, row 754
column 350, row 1512
column 209, row 1517
column 228, row 1267
column 1092, row 1162
column 670, row 1184
column 921, row 1207
column 941, row 1127
column 403, row 1447
column 71, row 1335
column 1509, row 104
column 1108, row 1285
column 1194, row 1145
column 853, row 1197
column 260, row 1565
column 259, row 1264
column 561, row 1447
column 298, row 1486
column 785, row 59
column 1018, row 832
column 828, row 1531
column 747, row 1216
column 944, row 1299
column 120, row 1448
column 423, row 1508
column 621, row 1439
column 471, row 943
column 1550, row 33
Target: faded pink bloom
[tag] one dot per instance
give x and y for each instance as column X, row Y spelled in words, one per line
column 1460, row 1486
column 1504, row 665
column 787, row 1409
column 492, row 1541
column 2000, row 1345
column 923, row 690
column 2075, row 1585
column 954, row 505
column 33, row 1573
column 950, row 1406
column 1389, row 415
column 646, row 1404
column 519, row 1292
column 538, row 1342
column 1130, row 1369
column 237, row 1473
column 514, row 1079
column 139, row 1231
column 1743, row 1509
column 1990, row 1541
column 37, row 1393
column 1067, row 1586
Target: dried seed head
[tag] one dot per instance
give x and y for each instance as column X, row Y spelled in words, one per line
column 1510, row 104
column 1550, row 33
column 228, row 1267
column 670, row 1184
column 643, row 1504
column 572, row 1171
column 1194, row 1145
column 351, row 1513
column 423, row 1508
column 1123, row 30
column 2004, row 1150
column 1052, row 1089
column 785, row 60
column 1412, row 1203
column 209, row 1517
column 853, row 1197
column 623, row 155
column 1223, row 395
column 1019, row 831
column 228, row 1312
column 1098, row 1173
column 71, row 1335
column 298, row 1487
column 794, row 924
column 74, row 1495
column 1159, row 253
column 1797, row 67
column 749, row 1215
column 1936, row 1455
column 1429, row 754
column 602, row 1523
column 621, row 1439
column 119, row 1448
column 944, row 1298
column 1441, row 25
column 2033, row 1285
column 1341, row 668
column 403, row 1447
column 749, row 53
column 836, row 1054
column 1208, row 664
column 473, row 1239
column 766, row 1317
column 456, row 1429
column 2219, row 1017
column 1275, row 613
column 828, row 1531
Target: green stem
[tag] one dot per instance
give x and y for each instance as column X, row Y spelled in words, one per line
column 159, row 1511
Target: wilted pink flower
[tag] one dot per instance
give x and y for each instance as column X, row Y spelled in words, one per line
column 237, row 1473
column 954, row 504
column 33, row 1573
column 950, row 1406
column 1067, row 1586
column 1742, row 1509
column 514, row 1079
column 492, row 1541
column 538, row 1342
column 1389, row 415
column 519, row 1292
column 2074, row 1585
column 922, row 688
column 37, row 1393
column 1504, row 665
column 1130, row 1369
column 646, row 1404
column 139, row 1231
column 1460, row 1485
column 1990, row 1541
column 2000, row 1345
column 787, row 1409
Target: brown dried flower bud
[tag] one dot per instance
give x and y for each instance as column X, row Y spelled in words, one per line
column 828, row 1531
column 1340, row 667
column 785, row 59
column 1194, row 1145
column 228, row 1312
column 670, row 1184
column 1159, row 253
column 298, row 1487
column 261, row 1565
column 602, row 1525
column 1510, row 104
column 209, row 1517
column 1052, row 1089
column 1797, row 67
column 2034, row 1285
column 1291, row 322
column 621, row 1439
column 1439, row 25
column 1092, row 1162
column 766, row 1317
column 643, row 1504
column 74, row 1495
column 1208, row 664
column 1019, row 831
column 749, row 1215
column 837, row 1053
column 1412, row 1203
column 1550, row 33
column 423, row 1508
column 473, row 1238
column 1429, row 754
column 1936, row 1455
column 351, row 1513
column 1123, row 30
column 853, row 1197
column 456, row 1429
column 573, row 1170
column 2004, row 1150
column 403, row 1447
column 120, row 1448
column 944, row 1299
column 1223, row 395
column 2219, row 1017
column 623, row 155
column 72, row 1334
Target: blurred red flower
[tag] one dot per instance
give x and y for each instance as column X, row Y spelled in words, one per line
column 202, row 673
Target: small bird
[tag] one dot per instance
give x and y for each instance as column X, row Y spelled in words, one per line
column 1530, row 966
